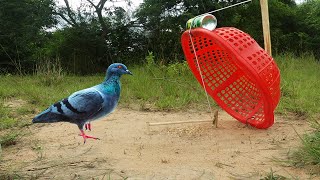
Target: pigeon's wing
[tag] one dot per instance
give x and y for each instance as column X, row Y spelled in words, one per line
column 83, row 104
column 77, row 108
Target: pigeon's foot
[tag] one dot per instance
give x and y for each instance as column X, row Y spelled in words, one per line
column 85, row 137
column 87, row 126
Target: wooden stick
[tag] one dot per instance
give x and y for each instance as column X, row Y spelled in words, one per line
column 266, row 26
column 176, row 122
column 214, row 122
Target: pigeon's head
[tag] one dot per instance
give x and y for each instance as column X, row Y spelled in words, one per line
column 117, row 69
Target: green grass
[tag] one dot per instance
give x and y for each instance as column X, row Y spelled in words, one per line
column 273, row 176
column 8, row 139
column 308, row 155
column 300, row 84
column 300, row 88
column 162, row 88
column 157, row 87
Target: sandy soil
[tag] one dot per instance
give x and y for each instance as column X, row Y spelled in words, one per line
column 127, row 149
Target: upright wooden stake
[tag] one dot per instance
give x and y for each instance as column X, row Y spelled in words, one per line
column 266, row 26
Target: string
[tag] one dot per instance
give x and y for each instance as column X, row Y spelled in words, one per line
column 237, row 4
column 200, row 71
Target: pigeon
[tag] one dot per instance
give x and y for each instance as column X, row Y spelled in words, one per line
column 89, row 104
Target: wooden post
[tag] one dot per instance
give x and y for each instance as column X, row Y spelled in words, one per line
column 215, row 118
column 266, row 26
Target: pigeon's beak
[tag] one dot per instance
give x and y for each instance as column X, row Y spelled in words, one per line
column 128, row 72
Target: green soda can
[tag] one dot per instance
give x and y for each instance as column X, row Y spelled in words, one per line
column 207, row 21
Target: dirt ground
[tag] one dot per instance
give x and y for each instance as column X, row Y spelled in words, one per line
column 127, row 149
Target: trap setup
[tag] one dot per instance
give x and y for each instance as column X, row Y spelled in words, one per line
column 233, row 69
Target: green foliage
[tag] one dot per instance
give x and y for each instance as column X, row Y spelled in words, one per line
column 299, row 84
column 308, row 25
column 273, row 176
column 312, row 148
column 150, row 59
column 169, row 87
column 87, row 42
column 164, row 21
column 162, row 25
column 159, row 87
column 21, row 32
column 49, row 71
column 7, row 175
column 9, row 116
column 5, row 120
column 8, row 139
column 178, row 69
column 79, row 50
column 309, row 153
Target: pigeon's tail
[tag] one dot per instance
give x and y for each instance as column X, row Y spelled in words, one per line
column 48, row 117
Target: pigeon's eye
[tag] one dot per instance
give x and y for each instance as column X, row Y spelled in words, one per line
column 119, row 67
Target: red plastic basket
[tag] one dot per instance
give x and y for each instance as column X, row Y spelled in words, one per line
column 238, row 74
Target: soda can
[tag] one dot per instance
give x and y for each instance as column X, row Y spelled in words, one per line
column 207, row 21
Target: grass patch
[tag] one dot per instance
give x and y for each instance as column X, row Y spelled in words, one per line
column 6, row 123
column 299, row 84
column 300, row 94
column 11, row 117
column 272, row 176
column 171, row 87
column 8, row 139
column 7, row 175
column 38, row 92
column 308, row 155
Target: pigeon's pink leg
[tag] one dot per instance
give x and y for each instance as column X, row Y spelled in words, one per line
column 86, row 136
column 87, row 126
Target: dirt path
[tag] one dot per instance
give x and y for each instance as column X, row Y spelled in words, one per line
column 126, row 149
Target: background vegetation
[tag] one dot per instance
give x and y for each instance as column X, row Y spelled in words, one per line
column 45, row 47
column 87, row 39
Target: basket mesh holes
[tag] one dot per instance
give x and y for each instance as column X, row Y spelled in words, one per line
column 259, row 115
column 242, row 97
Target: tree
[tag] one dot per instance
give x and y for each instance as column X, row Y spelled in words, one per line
column 93, row 36
column 85, row 15
column 308, row 20
column 22, row 24
column 164, row 21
